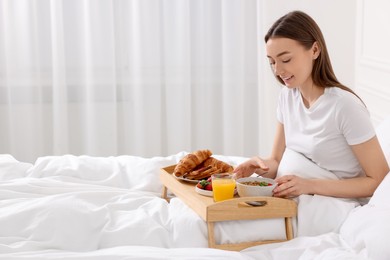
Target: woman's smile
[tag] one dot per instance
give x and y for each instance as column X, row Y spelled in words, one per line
column 287, row 80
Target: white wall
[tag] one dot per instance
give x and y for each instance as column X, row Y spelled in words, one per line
column 373, row 57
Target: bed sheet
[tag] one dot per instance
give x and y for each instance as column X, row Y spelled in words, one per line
column 82, row 203
column 130, row 252
column 81, row 207
column 363, row 236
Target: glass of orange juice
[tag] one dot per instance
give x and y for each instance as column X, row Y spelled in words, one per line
column 223, row 186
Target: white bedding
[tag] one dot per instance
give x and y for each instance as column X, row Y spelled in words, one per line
column 87, row 203
column 315, row 213
column 70, row 207
column 363, row 235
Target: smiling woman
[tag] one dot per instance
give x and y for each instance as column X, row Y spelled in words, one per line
column 318, row 117
column 289, row 59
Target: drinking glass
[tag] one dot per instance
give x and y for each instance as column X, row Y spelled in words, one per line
column 223, row 186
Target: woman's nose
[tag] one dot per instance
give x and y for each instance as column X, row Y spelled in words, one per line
column 278, row 70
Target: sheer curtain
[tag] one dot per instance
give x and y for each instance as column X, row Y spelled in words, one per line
column 138, row 77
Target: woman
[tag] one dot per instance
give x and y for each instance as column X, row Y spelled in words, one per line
column 318, row 117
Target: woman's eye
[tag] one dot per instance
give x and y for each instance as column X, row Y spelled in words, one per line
column 286, row 61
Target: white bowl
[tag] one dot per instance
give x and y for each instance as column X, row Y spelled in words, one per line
column 253, row 191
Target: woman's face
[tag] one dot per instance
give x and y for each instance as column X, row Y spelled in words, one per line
column 291, row 62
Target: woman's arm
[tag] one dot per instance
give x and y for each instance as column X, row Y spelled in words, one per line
column 266, row 167
column 370, row 157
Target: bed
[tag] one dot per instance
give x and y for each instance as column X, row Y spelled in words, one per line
column 83, row 207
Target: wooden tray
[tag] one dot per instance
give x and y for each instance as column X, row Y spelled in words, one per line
column 234, row 209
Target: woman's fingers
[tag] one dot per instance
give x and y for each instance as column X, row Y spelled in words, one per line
column 287, row 186
column 240, row 171
column 261, row 164
column 250, row 166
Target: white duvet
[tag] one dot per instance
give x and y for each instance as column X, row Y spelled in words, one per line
column 86, row 203
column 81, row 207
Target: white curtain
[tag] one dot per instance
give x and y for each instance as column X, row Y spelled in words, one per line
column 138, row 77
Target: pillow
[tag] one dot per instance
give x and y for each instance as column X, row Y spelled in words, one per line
column 383, row 134
column 315, row 209
column 298, row 164
column 129, row 172
column 10, row 168
column 367, row 228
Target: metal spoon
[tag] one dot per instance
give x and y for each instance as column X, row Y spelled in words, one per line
column 259, row 175
column 258, row 203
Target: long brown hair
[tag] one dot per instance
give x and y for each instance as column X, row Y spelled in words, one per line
column 300, row 27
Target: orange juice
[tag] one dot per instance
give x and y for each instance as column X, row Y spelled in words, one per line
column 223, row 188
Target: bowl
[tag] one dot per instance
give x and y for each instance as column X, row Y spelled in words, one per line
column 247, row 190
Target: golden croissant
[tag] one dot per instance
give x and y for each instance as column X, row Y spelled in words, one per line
column 190, row 161
column 224, row 167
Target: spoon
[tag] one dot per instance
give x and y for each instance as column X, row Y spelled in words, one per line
column 258, row 203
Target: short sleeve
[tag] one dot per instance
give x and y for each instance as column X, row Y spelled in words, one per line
column 354, row 120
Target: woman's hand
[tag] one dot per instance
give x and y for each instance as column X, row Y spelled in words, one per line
column 252, row 165
column 290, row 186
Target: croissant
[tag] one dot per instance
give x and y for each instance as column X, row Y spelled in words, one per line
column 190, row 161
column 202, row 173
column 224, row 167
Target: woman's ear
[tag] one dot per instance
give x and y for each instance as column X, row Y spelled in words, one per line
column 315, row 50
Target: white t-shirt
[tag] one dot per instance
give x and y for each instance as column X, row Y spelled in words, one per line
column 324, row 132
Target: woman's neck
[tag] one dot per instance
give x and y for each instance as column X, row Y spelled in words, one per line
column 310, row 94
